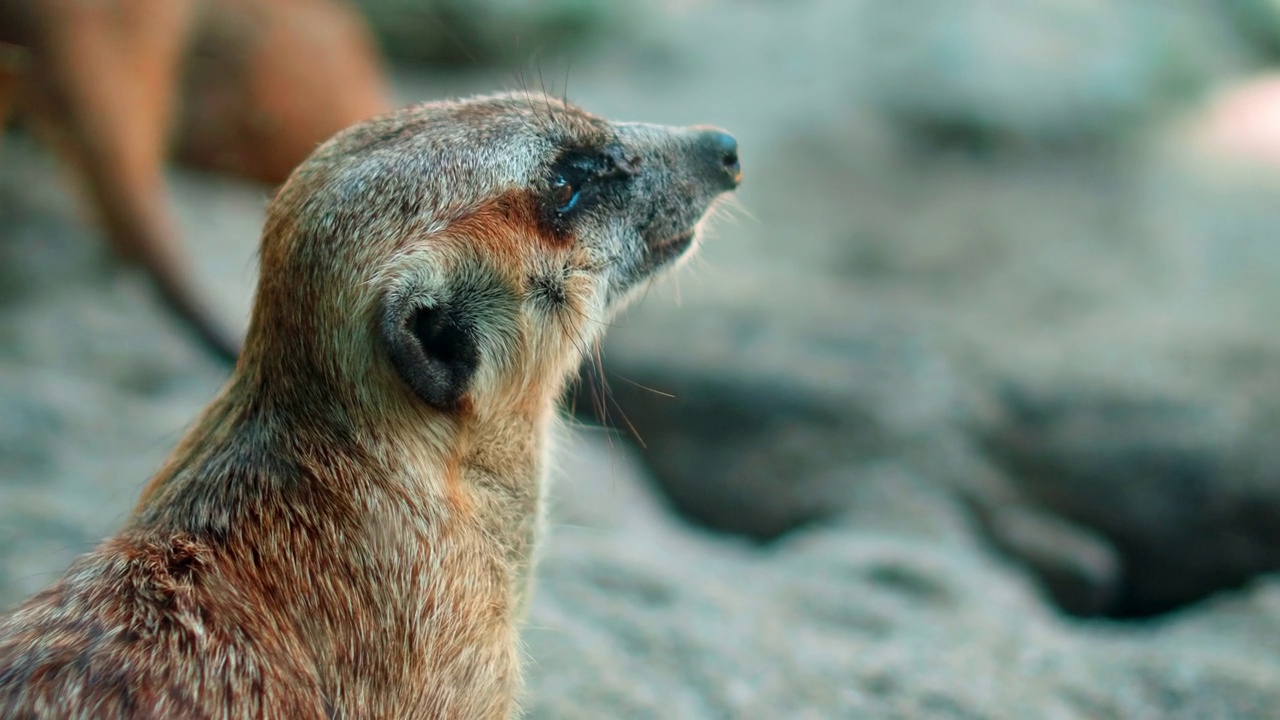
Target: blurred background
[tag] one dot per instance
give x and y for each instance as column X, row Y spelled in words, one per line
column 967, row 408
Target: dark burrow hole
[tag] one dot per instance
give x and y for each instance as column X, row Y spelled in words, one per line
column 700, row 437
column 1181, row 488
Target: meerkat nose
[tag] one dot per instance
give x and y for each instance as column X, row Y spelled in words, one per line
column 722, row 149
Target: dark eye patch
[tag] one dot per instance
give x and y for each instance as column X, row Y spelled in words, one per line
column 577, row 178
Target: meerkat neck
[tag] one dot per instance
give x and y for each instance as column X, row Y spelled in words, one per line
column 242, row 460
column 424, row 451
column 323, row 530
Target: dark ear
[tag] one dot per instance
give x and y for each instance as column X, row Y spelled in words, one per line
column 434, row 349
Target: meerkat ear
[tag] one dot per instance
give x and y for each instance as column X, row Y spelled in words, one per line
column 433, row 347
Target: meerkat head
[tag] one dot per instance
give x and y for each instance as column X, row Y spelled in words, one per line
column 457, row 254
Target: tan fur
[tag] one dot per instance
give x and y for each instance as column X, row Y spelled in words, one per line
column 327, row 541
column 100, row 79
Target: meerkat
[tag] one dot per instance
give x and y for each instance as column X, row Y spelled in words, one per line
column 347, row 531
column 244, row 87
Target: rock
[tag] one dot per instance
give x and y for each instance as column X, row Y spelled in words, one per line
column 1188, row 492
column 1078, row 567
column 895, row 613
column 1039, row 70
column 745, row 419
column 759, row 429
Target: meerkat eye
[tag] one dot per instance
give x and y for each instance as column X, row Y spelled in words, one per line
column 564, row 194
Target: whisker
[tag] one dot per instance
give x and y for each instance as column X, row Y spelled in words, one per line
column 450, row 34
column 546, row 97
column 646, row 388
column 731, row 206
column 608, row 397
column 541, row 122
column 564, row 94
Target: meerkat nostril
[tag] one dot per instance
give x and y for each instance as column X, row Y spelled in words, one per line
column 725, row 149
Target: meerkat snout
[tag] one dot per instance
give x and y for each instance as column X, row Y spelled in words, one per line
column 721, row 149
column 348, row 529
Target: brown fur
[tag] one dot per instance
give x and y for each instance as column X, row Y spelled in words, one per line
column 327, row 541
column 265, row 82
